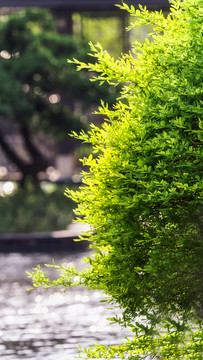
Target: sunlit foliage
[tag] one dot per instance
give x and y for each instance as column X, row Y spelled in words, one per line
column 142, row 193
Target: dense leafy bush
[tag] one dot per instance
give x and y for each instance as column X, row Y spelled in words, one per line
column 143, row 190
column 35, row 211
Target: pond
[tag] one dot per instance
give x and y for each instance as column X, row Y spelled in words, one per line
column 48, row 324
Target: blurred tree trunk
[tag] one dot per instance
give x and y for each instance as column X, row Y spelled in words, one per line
column 38, row 163
column 64, row 20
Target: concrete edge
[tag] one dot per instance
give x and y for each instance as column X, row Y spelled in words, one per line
column 62, row 241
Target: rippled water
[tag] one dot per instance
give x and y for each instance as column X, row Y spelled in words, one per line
column 46, row 323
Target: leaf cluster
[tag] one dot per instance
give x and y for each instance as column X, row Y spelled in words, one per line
column 143, row 189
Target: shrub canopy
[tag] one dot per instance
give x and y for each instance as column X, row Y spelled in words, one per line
column 142, row 193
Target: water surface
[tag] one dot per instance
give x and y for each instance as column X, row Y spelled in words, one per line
column 47, row 324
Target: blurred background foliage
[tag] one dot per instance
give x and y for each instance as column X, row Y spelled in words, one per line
column 36, row 210
column 109, row 31
column 41, row 94
column 39, row 91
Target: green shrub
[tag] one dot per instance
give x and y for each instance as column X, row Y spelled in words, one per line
column 35, row 210
column 143, row 189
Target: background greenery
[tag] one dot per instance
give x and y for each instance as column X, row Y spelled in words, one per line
column 39, row 92
column 33, row 67
column 36, row 210
column 109, row 31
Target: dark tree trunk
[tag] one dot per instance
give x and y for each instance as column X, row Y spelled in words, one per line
column 29, row 170
column 39, row 161
column 64, row 20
